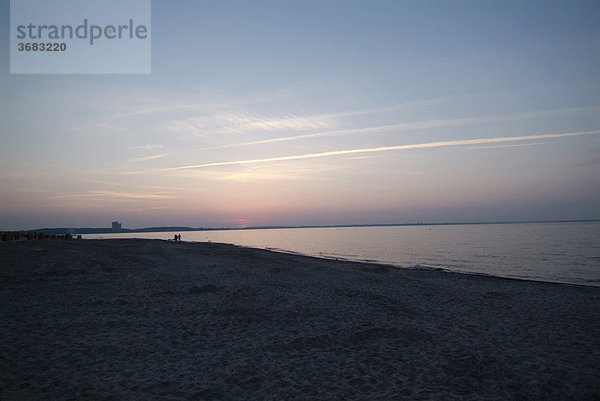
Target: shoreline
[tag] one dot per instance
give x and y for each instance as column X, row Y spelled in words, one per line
column 153, row 319
column 496, row 251
column 373, row 262
column 392, row 266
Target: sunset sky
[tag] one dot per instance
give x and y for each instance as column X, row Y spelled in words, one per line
column 316, row 112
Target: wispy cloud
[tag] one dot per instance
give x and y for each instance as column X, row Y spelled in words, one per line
column 263, row 176
column 463, row 142
column 146, row 147
column 152, row 157
column 509, row 146
column 227, row 116
column 27, row 190
column 158, row 108
column 110, row 194
column 243, row 122
column 292, row 123
column 416, row 125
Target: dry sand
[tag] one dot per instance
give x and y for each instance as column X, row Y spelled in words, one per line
column 149, row 319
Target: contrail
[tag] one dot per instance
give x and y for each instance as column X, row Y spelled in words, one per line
column 411, row 126
column 386, row 149
column 381, row 128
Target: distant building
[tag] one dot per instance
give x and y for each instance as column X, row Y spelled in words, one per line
column 116, row 226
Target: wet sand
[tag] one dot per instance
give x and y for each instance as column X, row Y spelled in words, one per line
column 150, row 319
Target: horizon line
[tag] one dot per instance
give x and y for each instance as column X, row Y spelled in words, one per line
column 264, row 227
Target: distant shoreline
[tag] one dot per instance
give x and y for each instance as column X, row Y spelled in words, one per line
column 100, row 230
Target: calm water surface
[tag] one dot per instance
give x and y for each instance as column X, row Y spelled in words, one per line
column 559, row 252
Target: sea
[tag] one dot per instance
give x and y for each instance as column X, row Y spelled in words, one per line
column 566, row 252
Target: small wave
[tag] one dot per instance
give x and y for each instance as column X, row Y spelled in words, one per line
column 330, row 257
column 337, row 255
column 280, row 250
column 418, row 266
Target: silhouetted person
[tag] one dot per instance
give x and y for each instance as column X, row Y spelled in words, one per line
column 175, row 238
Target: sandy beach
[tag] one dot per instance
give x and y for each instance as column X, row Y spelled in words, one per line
column 157, row 320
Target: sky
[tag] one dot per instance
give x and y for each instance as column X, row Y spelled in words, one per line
column 314, row 113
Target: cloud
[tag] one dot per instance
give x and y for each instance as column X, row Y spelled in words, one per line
column 263, row 176
column 110, row 194
column 232, row 116
column 146, row 147
column 152, row 157
column 386, row 149
column 415, row 125
column 240, row 123
column 509, row 146
column 27, row 190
